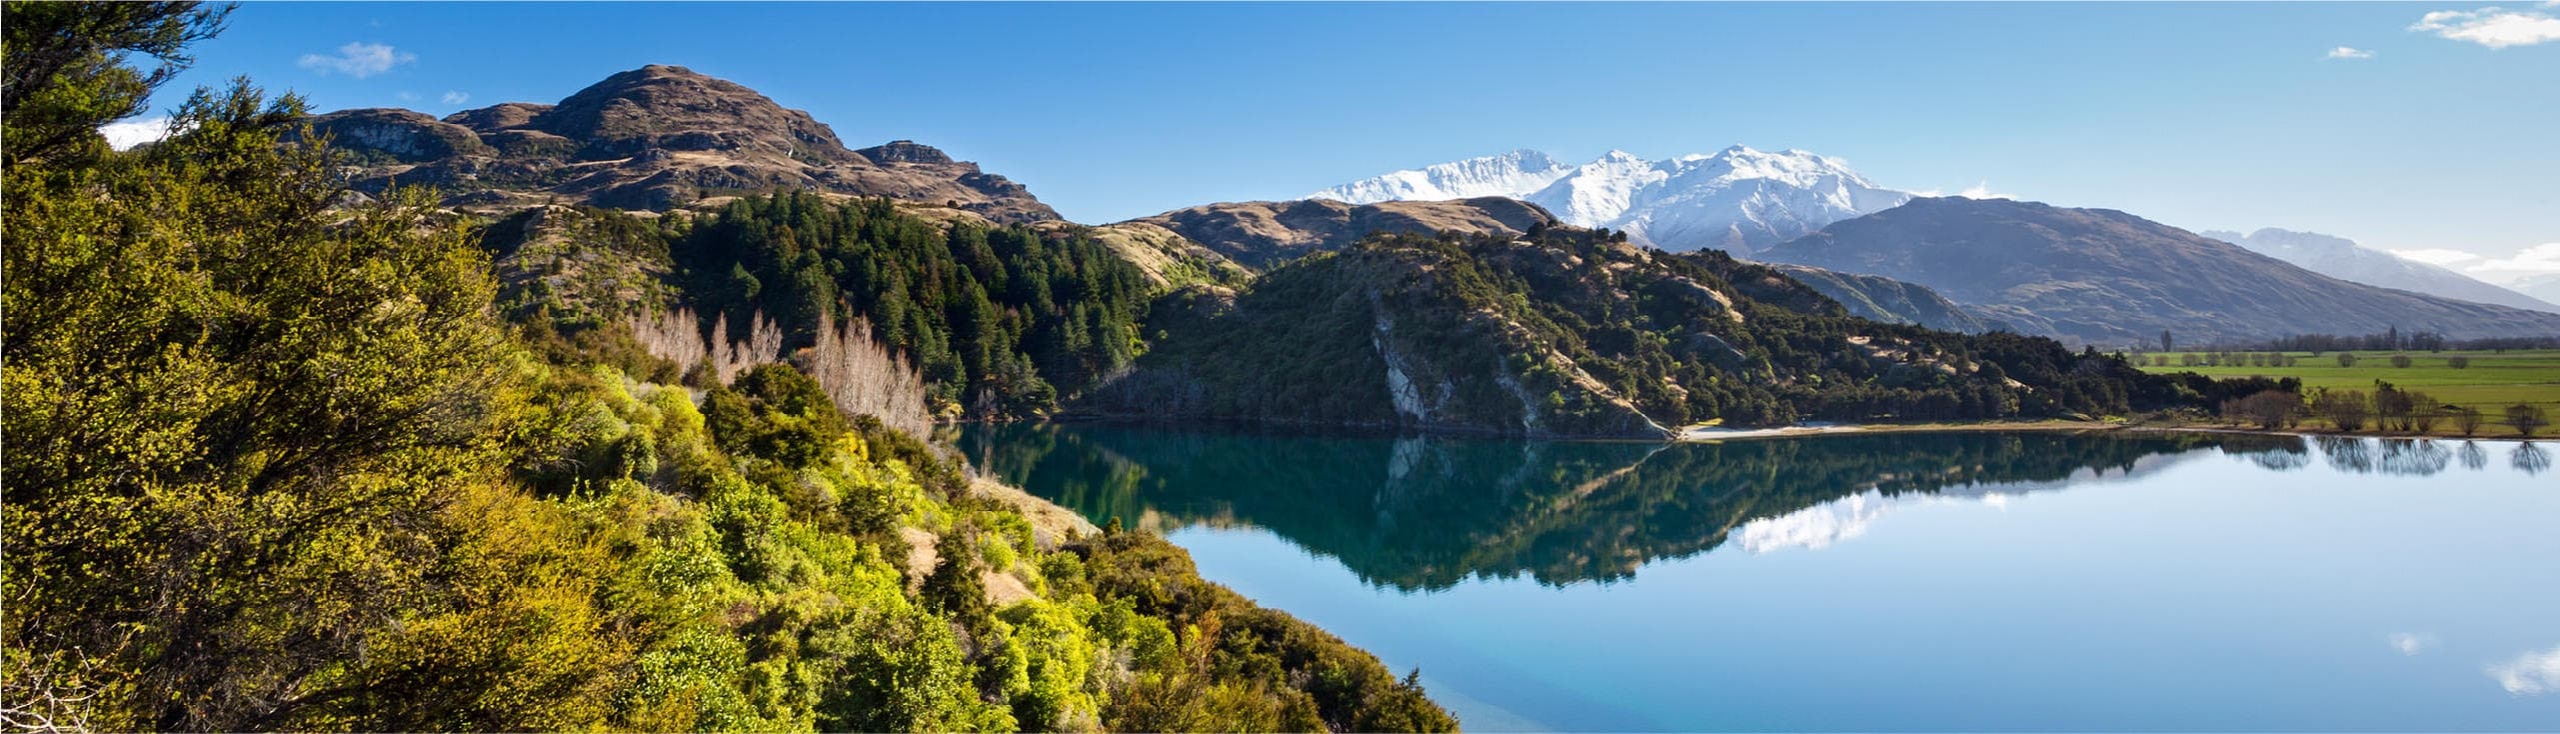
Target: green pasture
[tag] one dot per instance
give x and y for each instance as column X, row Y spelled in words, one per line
column 2493, row 379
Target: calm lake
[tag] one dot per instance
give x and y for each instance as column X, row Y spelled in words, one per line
column 1959, row 581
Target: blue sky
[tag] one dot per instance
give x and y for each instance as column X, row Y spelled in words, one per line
column 2435, row 133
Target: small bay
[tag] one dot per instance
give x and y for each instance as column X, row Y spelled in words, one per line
column 1921, row 581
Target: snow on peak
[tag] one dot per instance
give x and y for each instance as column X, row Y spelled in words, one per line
column 1737, row 199
column 1508, row 174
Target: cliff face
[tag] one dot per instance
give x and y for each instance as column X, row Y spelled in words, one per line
column 401, row 135
column 653, row 138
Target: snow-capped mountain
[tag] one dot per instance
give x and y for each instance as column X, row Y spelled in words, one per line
column 2342, row 258
column 1512, row 174
column 1737, row 199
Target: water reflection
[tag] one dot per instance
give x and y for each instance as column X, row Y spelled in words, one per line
column 1427, row 513
column 2347, row 454
column 2474, row 457
column 2202, row 574
column 2284, row 453
column 2414, row 457
column 2529, row 458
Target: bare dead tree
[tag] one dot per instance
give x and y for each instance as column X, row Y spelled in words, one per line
column 677, row 335
column 763, row 345
column 864, row 377
column 674, row 335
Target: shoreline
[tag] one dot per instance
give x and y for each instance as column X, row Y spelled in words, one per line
column 1710, row 434
column 1701, row 434
column 1713, row 435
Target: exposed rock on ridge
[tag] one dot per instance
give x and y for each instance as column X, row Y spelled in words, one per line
column 653, row 138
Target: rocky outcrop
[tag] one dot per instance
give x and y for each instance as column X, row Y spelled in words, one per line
column 904, row 151
column 654, row 138
column 502, row 116
column 398, row 135
column 671, row 108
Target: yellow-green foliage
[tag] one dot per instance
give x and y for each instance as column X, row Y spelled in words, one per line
column 273, row 463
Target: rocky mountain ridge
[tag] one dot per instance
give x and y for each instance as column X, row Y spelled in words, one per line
column 2110, row 278
column 654, row 138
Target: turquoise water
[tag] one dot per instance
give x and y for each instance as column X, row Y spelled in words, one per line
column 1902, row 582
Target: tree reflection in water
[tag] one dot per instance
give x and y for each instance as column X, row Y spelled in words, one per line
column 2529, row 458
column 1428, row 512
column 2414, row 457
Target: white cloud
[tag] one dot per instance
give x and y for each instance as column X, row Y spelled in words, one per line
column 2349, row 52
column 1846, row 518
column 2411, row 643
column 406, row 96
column 1819, row 526
column 358, row 60
column 2531, row 674
column 2438, row 256
column 2542, row 259
column 2535, row 260
column 1982, row 190
column 456, row 97
column 2492, row 27
column 125, row 135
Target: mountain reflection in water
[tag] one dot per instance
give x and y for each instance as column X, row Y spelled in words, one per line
column 1419, row 513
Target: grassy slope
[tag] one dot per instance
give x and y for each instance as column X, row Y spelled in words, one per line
column 2493, row 379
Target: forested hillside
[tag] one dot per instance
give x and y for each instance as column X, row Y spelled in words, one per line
column 1576, row 333
column 283, row 458
column 1004, row 321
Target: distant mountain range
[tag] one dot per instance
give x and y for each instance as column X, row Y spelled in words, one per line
column 653, row 138
column 2342, row 258
column 663, row 137
column 2107, row 277
column 1738, row 200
